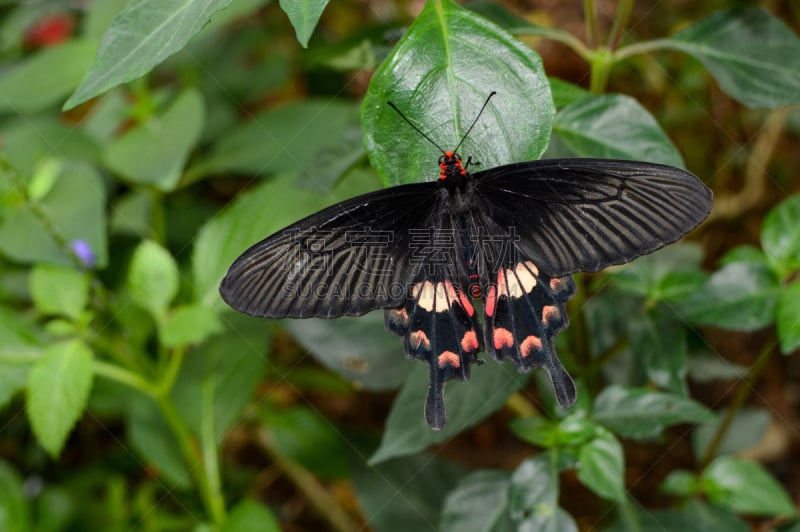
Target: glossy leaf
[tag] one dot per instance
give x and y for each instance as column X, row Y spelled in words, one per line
column 304, row 15
column 533, row 496
column 356, row 348
column 153, row 278
column 437, row 76
column 59, row 290
column 666, row 275
column 745, row 487
column 404, row 494
column 155, row 152
column 693, row 516
column 602, row 466
column 642, row 413
column 477, row 504
column 536, row 430
column 58, row 388
column 659, row 343
column 614, row 126
column 780, row 236
column 788, row 317
column 23, row 87
column 467, row 404
column 680, row 483
column 74, row 209
column 754, row 57
column 741, row 296
column 140, row 37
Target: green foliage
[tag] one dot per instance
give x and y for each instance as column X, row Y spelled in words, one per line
column 195, row 128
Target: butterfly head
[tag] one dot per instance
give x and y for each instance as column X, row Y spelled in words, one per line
column 450, row 166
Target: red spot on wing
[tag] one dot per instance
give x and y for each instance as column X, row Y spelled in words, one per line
column 448, row 357
column 465, row 302
column 502, row 338
column 530, row 345
column 419, row 338
column 470, row 341
column 475, row 290
column 491, row 301
column 549, row 312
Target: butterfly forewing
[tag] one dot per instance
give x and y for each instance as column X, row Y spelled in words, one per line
column 345, row 260
column 586, row 214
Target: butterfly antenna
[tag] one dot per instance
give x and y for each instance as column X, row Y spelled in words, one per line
column 410, row 123
column 475, row 121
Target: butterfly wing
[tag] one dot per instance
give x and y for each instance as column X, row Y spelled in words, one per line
column 345, row 260
column 574, row 215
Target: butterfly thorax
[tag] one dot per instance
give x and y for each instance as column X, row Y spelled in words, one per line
column 451, row 169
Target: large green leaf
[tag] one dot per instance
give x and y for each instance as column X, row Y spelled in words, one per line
column 693, row 516
column 754, row 57
column 73, row 210
column 745, row 487
column 142, row 35
column 153, row 278
column 659, row 342
column 533, row 496
column 304, row 15
column 642, row 413
column 614, row 126
column 602, row 466
column 45, row 78
column 788, row 317
column 439, row 75
column 780, row 236
column 403, row 494
column 668, row 274
column 59, row 290
column 467, row 403
column 58, row 388
column 741, row 296
column 477, row 504
column 155, row 152
column 250, row 515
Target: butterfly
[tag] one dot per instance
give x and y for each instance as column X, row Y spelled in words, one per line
column 470, row 262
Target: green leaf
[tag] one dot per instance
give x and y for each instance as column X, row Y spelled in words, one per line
column 189, row 324
column 285, row 139
column 155, row 152
column 477, row 504
column 668, row 274
column 254, row 215
column 741, row 296
column 356, row 348
column 59, row 290
column 693, row 516
column 14, row 510
column 745, row 487
column 74, row 209
column 680, row 483
column 58, row 388
column 564, row 93
column 788, row 317
column 22, row 343
column 45, row 78
column 614, row 126
column 403, row 494
column 309, row 439
column 430, row 75
column 467, row 404
column 704, row 366
column 536, row 430
column 141, row 36
column 641, row 413
column 602, row 466
column 747, row 429
column 745, row 253
column 754, row 57
column 153, row 278
column 250, row 515
column 304, row 15
column 533, row 496
column 514, row 24
column 659, row 342
column 780, row 236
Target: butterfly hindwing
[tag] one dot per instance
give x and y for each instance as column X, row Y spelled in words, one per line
column 523, row 309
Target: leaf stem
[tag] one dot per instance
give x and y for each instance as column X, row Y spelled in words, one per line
column 590, row 21
column 742, row 394
column 208, row 442
column 124, row 376
column 623, row 14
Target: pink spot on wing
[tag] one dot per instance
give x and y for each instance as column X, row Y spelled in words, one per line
column 550, row 312
column 419, row 338
column 470, row 341
column 502, row 338
column 555, row 284
column 448, row 357
column 530, row 345
column 491, row 301
column 465, row 302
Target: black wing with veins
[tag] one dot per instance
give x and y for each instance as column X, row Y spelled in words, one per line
column 346, row 260
column 586, row 214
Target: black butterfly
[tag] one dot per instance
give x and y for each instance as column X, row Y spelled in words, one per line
column 501, row 242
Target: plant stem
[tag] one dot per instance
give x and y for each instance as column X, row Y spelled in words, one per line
column 590, row 21
column 742, row 394
column 208, row 442
column 325, row 505
column 124, row 376
column 624, row 9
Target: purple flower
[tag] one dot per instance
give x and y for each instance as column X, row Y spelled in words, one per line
column 83, row 252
